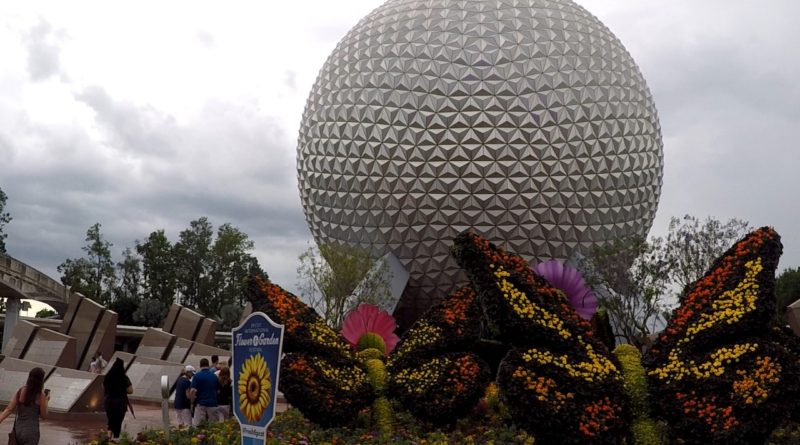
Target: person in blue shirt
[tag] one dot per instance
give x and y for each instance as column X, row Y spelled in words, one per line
column 183, row 407
column 204, row 390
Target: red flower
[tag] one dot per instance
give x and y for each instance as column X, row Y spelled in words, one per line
column 369, row 319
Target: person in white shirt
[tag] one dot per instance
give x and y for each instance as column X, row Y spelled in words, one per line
column 98, row 363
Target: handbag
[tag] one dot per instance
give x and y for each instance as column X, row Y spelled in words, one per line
column 12, row 436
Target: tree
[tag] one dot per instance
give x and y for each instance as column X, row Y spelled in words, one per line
column 126, row 307
column 128, row 293
column 787, row 291
column 631, row 280
column 45, row 313
column 103, row 273
column 130, row 276
column 76, row 273
column 335, row 278
column 150, row 313
column 692, row 247
column 191, row 258
column 229, row 316
column 93, row 276
column 23, row 306
column 5, row 218
column 229, row 265
column 158, row 268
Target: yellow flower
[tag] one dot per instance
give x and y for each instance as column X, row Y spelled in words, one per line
column 254, row 387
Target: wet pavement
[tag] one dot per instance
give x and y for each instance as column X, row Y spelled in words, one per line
column 81, row 428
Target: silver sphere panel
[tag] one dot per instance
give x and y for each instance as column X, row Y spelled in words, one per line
column 525, row 120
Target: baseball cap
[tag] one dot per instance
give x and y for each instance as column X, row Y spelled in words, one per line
column 189, row 368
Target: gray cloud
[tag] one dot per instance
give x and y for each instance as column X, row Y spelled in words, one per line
column 724, row 80
column 132, row 128
column 723, row 76
column 290, row 81
column 230, row 163
column 205, row 38
column 43, row 50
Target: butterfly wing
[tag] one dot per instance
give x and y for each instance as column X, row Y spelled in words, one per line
column 304, row 329
column 560, row 383
column 320, row 376
column 327, row 391
column 428, row 374
column 716, row 374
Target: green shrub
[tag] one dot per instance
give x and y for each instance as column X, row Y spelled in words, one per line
column 788, row 434
column 635, row 380
column 646, row 432
column 644, row 429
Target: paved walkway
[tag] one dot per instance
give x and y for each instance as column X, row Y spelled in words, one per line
column 82, row 428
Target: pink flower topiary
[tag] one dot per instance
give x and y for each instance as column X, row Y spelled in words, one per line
column 370, row 327
column 570, row 281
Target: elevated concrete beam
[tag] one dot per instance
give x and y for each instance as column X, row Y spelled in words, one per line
column 17, row 278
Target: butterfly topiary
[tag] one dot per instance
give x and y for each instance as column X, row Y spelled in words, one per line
column 718, row 374
column 559, row 382
column 430, row 371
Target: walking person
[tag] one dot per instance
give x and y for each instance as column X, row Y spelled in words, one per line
column 117, row 386
column 224, row 393
column 30, row 403
column 183, row 406
column 204, row 390
column 98, row 363
column 216, row 365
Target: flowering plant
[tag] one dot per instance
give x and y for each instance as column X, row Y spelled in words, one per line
column 559, row 382
column 330, row 382
column 569, row 280
column 430, row 376
column 320, row 375
column 304, row 330
column 717, row 373
column 369, row 326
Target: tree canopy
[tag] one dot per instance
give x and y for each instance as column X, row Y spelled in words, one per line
column 692, row 246
column 630, row 278
column 787, row 291
column 94, row 274
column 5, row 218
column 201, row 271
column 637, row 279
column 335, row 278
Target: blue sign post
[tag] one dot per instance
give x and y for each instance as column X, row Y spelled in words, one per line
column 257, row 345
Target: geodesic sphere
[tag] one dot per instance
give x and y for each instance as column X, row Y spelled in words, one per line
column 525, row 120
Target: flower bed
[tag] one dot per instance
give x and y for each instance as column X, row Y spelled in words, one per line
column 487, row 425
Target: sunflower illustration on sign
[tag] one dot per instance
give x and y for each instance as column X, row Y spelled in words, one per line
column 254, row 387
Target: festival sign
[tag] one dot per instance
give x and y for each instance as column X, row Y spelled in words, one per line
column 257, row 345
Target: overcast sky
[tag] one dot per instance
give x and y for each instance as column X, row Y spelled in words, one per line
column 147, row 115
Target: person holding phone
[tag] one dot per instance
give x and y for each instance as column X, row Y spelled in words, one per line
column 30, row 403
